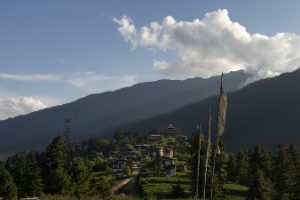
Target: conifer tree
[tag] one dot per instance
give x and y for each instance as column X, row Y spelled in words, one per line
column 80, row 177
column 17, row 167
column 232, row 168
column 56, row 177
column 34, row 180
column 261, row 187
column 8, row 189
column 260, row 160
column 242, row 167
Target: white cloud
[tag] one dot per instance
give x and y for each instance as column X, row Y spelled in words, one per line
column 12, row 104
column 212, row 45
column 19, row 106
column 93, row 82
column 87, row 81
column 31, row 77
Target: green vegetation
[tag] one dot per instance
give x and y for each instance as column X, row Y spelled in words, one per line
column 235, row 187
column 67, row 172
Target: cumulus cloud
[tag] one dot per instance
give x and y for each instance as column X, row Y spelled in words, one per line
column 19, row 106
column 212, row 45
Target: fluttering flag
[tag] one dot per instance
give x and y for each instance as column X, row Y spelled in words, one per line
column 221, row 119
column 222, row 109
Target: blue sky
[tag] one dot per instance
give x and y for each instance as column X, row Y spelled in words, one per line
column 56, row 51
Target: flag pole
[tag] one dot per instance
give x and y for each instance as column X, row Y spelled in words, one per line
column 222, row 106
column 207, row 151
column 198, row 164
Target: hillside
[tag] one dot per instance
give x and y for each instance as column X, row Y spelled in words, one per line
column 95, row 113
column 265, row 112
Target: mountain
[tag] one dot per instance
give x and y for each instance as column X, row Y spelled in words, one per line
column 266, row 112
column 94, row 114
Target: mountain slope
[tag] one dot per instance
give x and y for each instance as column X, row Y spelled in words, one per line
column 265, row 112
column 95, row 113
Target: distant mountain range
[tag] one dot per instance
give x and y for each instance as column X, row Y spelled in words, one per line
column 98, row 115
column 266, row 112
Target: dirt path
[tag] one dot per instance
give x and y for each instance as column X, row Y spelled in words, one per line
column 122, row 184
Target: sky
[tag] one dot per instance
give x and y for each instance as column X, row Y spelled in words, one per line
column 56, row 51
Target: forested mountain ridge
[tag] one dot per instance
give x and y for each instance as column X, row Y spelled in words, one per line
column 265, row 112
column 95, row 113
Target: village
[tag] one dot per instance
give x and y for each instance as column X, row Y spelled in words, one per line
column 159, row 160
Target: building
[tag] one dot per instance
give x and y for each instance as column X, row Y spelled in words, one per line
column 154, row 138
column 118, row 165
column 172, row 131
column 168, row 153
column 169, row 166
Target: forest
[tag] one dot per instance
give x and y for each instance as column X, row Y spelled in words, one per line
column 85, row 170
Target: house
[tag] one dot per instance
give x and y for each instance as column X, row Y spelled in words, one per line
column 154, row 138
column 168, row 161
column 118, row 165
column 168, row 153
column 171, row 170
column 169, row 165
column 135, row 168
column 155, row 152
column 144, row 149
column 172, row 131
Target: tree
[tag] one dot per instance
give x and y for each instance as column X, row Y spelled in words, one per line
column 261, row 160
column 56, row 177
column 105, row 188
column 17, row 167
column 232, row 168
column 119, row 136
column 261, row 187
column 80, row 177
column 8, row 189
column 242, row 167
column 26, row 173
column 33, row 177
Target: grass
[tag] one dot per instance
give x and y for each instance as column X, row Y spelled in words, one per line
column 162, row 185
column 235, row 187
column 164, row 179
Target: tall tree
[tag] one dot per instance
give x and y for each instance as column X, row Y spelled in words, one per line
column 17, row 167
column 8, row 189
column 242, row 170
column 80, row 177
column 260, row 160
column 56, row 177
column 261, row 187
column 232, row 168
column 34, row 179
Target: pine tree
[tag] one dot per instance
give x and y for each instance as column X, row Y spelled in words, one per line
column 260, row 160
column 285, row 171
column 294, row 184
column 34, row 180
column 56, row 177
column 242, row 167
column 261, row 187
column 232, row 168
column 8, row 189
column 17, row 167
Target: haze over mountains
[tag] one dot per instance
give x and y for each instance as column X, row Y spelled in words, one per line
column 100, row 114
